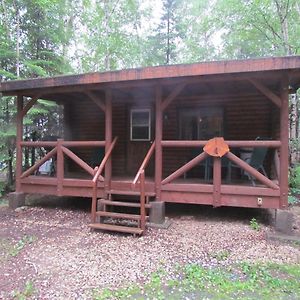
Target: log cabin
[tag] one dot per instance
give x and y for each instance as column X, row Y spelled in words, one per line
column 213, row 133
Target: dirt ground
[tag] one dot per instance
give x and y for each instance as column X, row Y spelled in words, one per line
column 48, row 246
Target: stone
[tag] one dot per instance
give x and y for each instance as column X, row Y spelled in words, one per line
column 284, row 221
column 157, row 212
column 16, row 199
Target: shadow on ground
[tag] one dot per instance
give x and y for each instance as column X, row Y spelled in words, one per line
column 65, row 203
column 173, row 210
column 264, row 216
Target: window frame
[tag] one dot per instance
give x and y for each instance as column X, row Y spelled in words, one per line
column 141, row 110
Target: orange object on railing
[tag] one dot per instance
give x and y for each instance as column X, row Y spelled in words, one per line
column 216, row 147
column 144, row 163
column 97, row 176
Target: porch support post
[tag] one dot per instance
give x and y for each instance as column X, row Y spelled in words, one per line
column 108, row 137
column 284, row 148
column 60, row 167
column 217, row 181
column 19, row 139
column 158, row 138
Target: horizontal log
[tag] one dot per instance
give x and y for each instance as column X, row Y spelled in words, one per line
column 188, row 187
column 38, row 144
column 84, row 143
column 64, row 143
column 39, row 163
column 243, row 165
column 192, row 163
column 249, row 190
column 78, row 160
column 179, row 143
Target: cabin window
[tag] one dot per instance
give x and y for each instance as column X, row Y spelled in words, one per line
column 201, row 123
column 140, row 125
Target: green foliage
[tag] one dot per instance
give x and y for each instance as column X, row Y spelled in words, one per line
column 294, row 177
column 254, row 224
column 26, row 240
column 192, row 281
column 27, row 293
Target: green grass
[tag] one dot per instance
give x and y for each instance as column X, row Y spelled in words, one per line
column 26, row 293
column 192, row 281
column 18, row 247
column 11, row 249
column 3, row 202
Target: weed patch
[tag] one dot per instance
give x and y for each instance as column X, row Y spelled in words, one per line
column 192, row 281
column 28, row 291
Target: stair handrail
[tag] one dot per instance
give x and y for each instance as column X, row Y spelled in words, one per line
column 144, row 163
column 142, row 200
column 104, row 160
column 97, row 176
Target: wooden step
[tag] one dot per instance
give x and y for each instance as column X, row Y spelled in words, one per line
column 116, row 228
column 118, row 215
column 122, row 203
column 130, row 193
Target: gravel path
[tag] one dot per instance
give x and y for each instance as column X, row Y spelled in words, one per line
column 67, row 261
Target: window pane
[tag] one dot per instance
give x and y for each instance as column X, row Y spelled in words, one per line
column 140, row 118
column 140, row 133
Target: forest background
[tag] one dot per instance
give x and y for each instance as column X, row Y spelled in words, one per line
column 41, row 38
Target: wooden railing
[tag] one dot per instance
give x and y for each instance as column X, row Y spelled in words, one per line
column 140, row 177
column 60, row 148
column 144, row 163
column 217, row 166
column 97, row 177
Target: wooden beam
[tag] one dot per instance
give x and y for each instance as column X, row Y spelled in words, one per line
column 192, row 163
column 266, row 91
column 284, row 149
column 201, row 143
column 217, row 181
column 158, row 139
column 39, row 163
column 19, row 139
column 78, row 161
column 144, row 163
column 29, row 105
column 108, row 137
column 96, row 99
column 253, row 172
column 60, row 167
column 172, row 96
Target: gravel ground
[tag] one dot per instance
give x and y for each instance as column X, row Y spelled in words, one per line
column 67, row 261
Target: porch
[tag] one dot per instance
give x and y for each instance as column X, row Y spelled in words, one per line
column 153, row 125
column 178, row 187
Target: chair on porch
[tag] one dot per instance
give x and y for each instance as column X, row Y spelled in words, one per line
column 256, row 161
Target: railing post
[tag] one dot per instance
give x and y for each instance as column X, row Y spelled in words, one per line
column 217, row 181
column 142, row 200
column 19, row 139
column 158, row 139
column 108, row 138
column 60, row 167
column 284, row 148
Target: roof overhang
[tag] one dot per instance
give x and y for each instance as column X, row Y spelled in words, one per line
column 273, row 69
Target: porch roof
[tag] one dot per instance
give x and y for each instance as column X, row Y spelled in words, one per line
column 270, row 70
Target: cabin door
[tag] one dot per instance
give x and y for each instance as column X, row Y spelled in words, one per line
column 140, row 140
